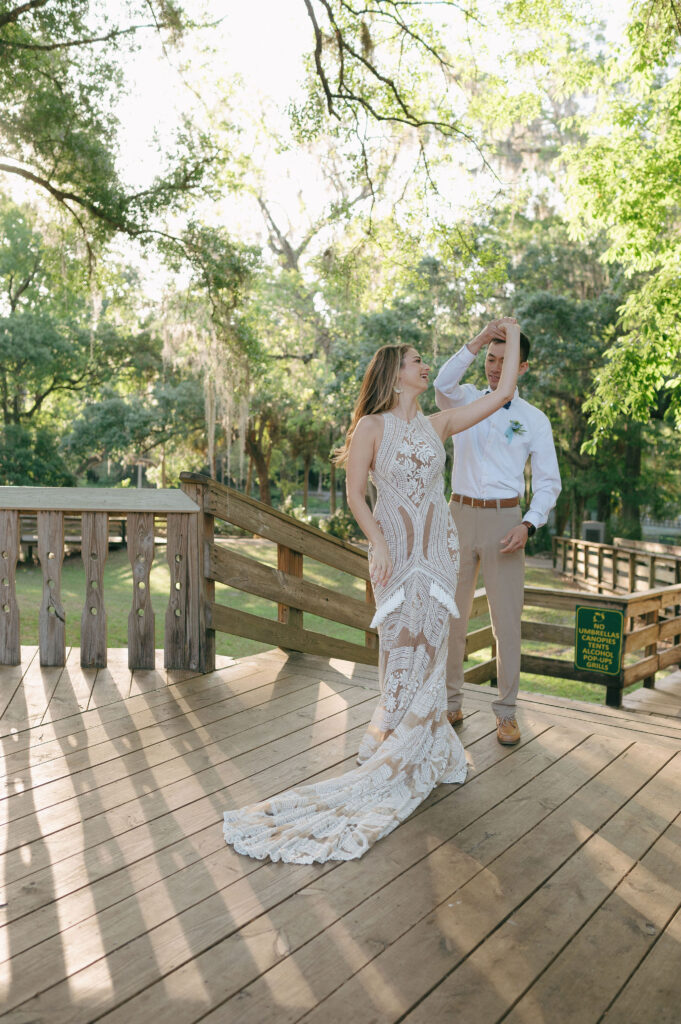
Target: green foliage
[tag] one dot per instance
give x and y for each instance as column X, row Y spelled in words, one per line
column 60, row 77
column 341, row 524
column 625, row 180
column 29, row 456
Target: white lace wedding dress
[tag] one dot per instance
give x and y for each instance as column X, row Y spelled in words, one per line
column 409, row 746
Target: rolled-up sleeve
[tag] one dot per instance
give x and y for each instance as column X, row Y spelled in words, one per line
column 448, row 391
column 545, row 473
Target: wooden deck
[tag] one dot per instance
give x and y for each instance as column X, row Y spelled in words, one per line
column 545, row 890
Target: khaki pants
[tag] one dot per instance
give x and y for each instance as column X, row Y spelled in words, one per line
column 480, row 531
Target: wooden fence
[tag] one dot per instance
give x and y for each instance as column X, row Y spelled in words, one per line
column 652, row 633
column 187, row 644
column 625, row 566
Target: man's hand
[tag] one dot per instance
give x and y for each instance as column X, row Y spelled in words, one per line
column 514, row 540
column 494, row 329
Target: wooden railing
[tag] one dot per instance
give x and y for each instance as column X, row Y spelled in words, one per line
column 625, row 566
column 187, row 644
column 285, row 585
column 652, row 619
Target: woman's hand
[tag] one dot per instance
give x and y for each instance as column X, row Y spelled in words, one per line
column 491, row 331
column 381, row 564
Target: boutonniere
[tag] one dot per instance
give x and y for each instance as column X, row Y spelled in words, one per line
column 514, row 427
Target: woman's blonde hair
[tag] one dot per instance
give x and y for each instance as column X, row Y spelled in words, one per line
column 377, row 393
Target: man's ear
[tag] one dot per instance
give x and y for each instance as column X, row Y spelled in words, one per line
column 523, row 368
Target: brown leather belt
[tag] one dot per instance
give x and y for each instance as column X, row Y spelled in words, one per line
column 463, row 499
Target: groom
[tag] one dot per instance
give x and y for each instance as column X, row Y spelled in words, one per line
column 487, row 483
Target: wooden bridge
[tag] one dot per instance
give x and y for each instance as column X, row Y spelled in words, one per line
column 546, row 889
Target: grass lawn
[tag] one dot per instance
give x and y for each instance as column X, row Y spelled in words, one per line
column 118, row 597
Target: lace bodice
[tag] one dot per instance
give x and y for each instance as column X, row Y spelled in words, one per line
column 413, row 513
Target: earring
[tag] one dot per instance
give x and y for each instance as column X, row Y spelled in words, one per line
column 398, row 391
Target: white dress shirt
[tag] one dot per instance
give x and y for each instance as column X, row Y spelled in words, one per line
column 490, row 457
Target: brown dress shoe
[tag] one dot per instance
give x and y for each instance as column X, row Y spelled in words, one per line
column 508, row 732
column 453, row 717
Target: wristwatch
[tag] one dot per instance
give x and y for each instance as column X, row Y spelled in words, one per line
column 531, row 528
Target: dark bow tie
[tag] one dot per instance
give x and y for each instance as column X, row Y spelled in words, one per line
column 506, row 405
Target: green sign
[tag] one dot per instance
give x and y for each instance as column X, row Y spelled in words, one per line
column 598, row 639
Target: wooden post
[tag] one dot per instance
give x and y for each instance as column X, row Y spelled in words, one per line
column 574, row 559
column 370, row 639
column 494, row 681
column 651, row 573
column 10, row 649
column 199, row 641
column 677, row 607
column 94, row 551
column 564, row 551
column 52, row 619
column 632, row 572
column 651, row 617
column 291, row 562
column 141, row 640
column 600, row 570
column 587, row 552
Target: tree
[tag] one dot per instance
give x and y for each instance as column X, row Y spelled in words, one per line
column 625, row 181
column 60, row 76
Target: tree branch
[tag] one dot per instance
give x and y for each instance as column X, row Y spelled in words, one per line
column 11, row 16
column 318, row 60
column 113, row 34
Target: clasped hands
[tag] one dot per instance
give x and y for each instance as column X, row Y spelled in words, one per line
column 493, row 330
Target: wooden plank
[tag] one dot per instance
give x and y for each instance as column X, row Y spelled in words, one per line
column 479, row 604
column 549, row 632
column 52, row 617
column 481, row 673
column 10, row 645
column 186, row 645
column 94, row 551
column 640, row 637
column 243, row 573
column 95, row 499
column 543, row 666
column 201, row 537
column 272, row 525
column 370, row 635
column 70, row 697
column 629, row 922
column 673, row 551
column 669, row 657
column 670, row 627
column 267, row 631
column 141, row 645
column 290, row 564
column 177, row 635
column 545, row 597
column 641, row 669
column 10, row 682
column 541, row 952
column 478, row 639
column 653, row 991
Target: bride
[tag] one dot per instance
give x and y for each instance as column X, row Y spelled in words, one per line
column 409, row 746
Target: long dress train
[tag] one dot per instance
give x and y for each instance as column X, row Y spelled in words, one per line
column 409, row 746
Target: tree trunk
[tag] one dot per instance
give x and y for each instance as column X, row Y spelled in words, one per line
column 306, row 479
column 631, row 501
column 332, row 489
column 249, row 476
